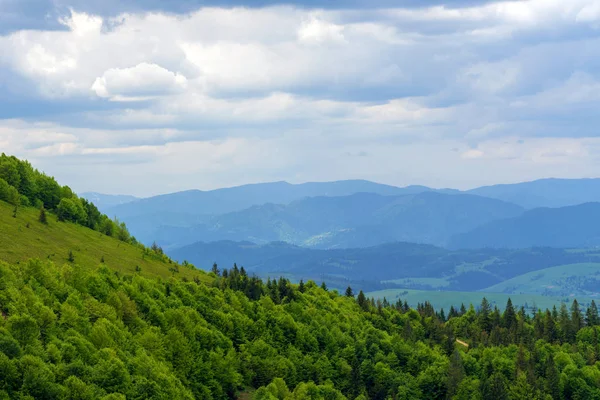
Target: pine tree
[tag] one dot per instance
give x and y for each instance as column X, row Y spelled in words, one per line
column 509, row 318
column 484, row 316
column 301, row 287
column 215, row 269
column 362, row 300
column 576, row 318
column 349, row 292
column 591, row 315
column 71, row 257
column 324, row 286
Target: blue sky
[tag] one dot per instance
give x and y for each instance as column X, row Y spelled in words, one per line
column 147, row 97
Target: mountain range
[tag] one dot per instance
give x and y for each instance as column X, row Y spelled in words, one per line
column 358, row 220
column 358, row 213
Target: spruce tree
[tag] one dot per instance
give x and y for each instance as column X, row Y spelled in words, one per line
column 509, row 319
column 349, row 292
column 215, row 269
column 301, row 287
column 362, row 301
column 591, row 315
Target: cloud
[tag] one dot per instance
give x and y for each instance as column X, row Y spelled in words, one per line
column 439, row 94
column 140, row 82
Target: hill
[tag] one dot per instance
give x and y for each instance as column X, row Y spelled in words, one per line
column 392, row 265
column 24, row 237
column 41, row 219
column 358, row 220
column 73, row 329
column 581, row 280
column 188, row 208
column 544, row 192
column 565, row 227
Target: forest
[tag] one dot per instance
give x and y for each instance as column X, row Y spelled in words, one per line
column 69, row 332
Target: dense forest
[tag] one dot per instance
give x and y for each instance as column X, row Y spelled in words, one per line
column 68, row 332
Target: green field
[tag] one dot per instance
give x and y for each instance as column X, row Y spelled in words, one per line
column 562, row 280
column 440, row 299
column 24, row 237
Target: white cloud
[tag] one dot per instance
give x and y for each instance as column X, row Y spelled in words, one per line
column 252, row 94
column 139, row 82
column 317, row 30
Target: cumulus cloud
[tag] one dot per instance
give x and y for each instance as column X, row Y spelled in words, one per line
column 272, row 91
column 140, row 82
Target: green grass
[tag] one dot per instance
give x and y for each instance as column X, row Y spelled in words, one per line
column 434, row 283
column 24, row 237
column 444, row 300
column 562, row 280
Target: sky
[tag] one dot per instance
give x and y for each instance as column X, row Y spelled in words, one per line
column 149, row 97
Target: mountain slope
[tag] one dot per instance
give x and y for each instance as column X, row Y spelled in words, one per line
column 544, row 192
column 24, row 237
column 575, row 226
column 406, row 265
column 358, row 220
column 190, row 208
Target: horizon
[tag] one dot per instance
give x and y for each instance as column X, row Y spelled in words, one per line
column 457, row 94
column 341, row 180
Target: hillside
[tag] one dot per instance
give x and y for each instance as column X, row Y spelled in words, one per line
column 358, row 220
column 392, row 265
column 566, row 227
column 568, row 280
column 544, row 192
column 24, row 237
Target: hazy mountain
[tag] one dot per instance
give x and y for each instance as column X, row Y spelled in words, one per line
column 575, row 226
column 544, row 192
column 106, row 201
column 220, row 201
column 185, row 209
column 404, row 264
column 358, row 220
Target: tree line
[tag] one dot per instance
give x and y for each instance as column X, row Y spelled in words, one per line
column 68, row 332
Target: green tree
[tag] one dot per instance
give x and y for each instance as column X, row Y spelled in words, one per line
column 591, row 315
column 349, row 292
column 42, row 217
column 362, row 301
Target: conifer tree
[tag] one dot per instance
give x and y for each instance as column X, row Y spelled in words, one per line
column 362, row 301
column 215, row 269
column 591, row 315
column 349, row 292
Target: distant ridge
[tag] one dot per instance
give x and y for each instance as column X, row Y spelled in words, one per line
column 550, row 192
column 565, row 227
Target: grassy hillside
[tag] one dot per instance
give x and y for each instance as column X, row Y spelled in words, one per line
column 25, row 237
column 441, row 299
column 564, row 280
